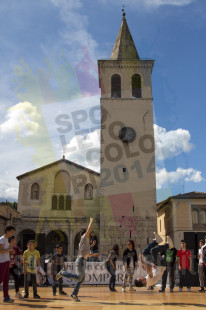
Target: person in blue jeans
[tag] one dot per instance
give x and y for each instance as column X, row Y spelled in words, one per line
column 110, row 265
column 80, row 264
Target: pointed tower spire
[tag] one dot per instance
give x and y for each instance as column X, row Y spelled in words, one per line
column 124, row 47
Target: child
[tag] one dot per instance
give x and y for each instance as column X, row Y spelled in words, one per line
column 110, row 265
column 31, row 261
column 57, row 264
column 15, row 257
column 130, row 262
column 5, row 249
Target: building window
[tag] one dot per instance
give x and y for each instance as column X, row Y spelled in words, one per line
column 88, row 191
column 116, row 86
column 68, row 202
column 203, row 217
column 54, row 203
column 195, row 217
column 61, row 203
column 35, row 191
column 62, row 182
column 136, row 86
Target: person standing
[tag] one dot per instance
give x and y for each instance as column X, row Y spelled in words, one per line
column 93, row 246
column 185, row 262
column 202, row 265
column 31, row 259
column 80, row 264
column 57, row 263
column 5, row 250
column 110, row 265
column 129, row 265
column 15, row 259
column 170, row 260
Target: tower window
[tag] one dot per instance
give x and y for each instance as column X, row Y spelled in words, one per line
column 124, row 170
column 116, row 86
column 136, row 86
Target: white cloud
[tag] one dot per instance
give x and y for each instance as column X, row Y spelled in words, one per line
column 171, row 143
column 85, row 150
column 75, row 33
column 153, row 3
column 23, row 118
column 168, row 2
column 187, row 175
column 8, row 191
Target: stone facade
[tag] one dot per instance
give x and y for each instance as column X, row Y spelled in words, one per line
column 128, row 185
column 51, row 211
column 181, row 215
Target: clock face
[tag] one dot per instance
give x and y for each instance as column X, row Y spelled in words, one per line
column 127, row 134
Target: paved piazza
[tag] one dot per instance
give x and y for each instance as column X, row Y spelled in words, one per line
column 99, row 298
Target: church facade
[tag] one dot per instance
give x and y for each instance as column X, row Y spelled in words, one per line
column 56, row 201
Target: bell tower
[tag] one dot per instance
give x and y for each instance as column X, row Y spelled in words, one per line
column 128, row 187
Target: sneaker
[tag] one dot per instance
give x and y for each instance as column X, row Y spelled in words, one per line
column 189, row 289
column 201, row 290
column 18, row 295
column 180, row 289
column 170, row 242
column 171, row 290
column 8, row 299
column 123, row 289
column 157, row 238
column 59, row 275
column 36, row 296
column 75, row 297
column 114, row 290
column 131, row 289
column 150, row 288
column 26, row 296
column 162, row 290
column 62, row 293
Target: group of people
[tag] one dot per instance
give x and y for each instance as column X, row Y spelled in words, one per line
column 158, row 260
column 10, row 256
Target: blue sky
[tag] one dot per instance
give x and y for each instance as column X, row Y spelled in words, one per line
column 49, row 51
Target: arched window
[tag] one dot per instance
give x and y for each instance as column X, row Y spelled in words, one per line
column 136, row 86
column 68, row 202
column 54, row 203
column 116, row 86
column 62, row 182
column 88, row 191
column 35, row 191
column 61, row 203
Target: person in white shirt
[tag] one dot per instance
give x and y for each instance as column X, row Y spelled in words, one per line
column 5, row 250
column 201, row 267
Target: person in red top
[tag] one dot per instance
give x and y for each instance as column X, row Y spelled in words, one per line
column 184, row 258
column 15, row 258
